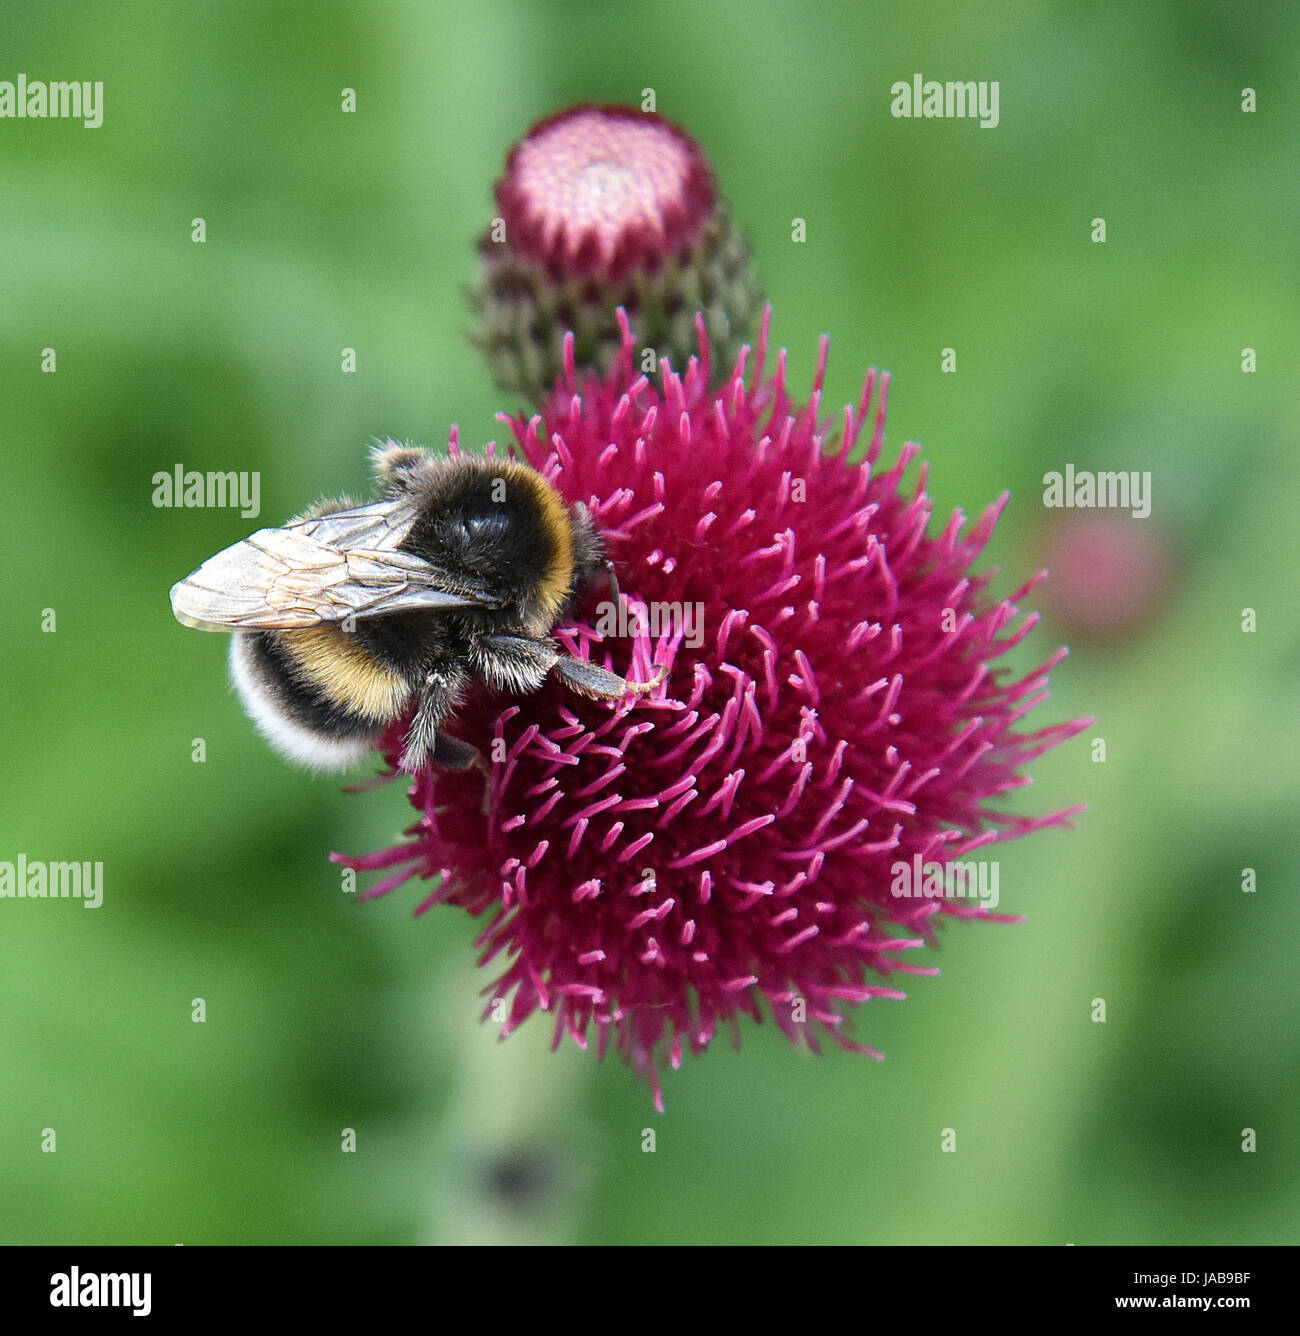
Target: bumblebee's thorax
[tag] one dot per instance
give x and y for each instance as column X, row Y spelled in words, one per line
column 503, row 524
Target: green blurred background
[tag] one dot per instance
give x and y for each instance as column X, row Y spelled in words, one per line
column 326, row 231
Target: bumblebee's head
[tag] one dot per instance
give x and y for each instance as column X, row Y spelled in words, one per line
column 400, row 467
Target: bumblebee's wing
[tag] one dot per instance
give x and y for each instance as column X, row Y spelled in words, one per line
column 326, row 568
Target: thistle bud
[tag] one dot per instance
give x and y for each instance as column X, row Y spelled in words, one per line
column 602, row 207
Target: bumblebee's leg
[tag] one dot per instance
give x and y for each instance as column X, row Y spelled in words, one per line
column 441, row 690
column 453, row 754
column 520, row 664
column 589, row 679
column 517, row 664
column 612, row 576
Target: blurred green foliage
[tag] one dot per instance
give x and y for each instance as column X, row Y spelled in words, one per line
column 327, row 230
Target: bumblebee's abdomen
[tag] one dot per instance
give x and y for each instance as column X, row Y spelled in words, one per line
column 315, row 694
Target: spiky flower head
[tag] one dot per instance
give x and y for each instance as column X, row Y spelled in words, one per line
column 601, row 207
column 728, row 843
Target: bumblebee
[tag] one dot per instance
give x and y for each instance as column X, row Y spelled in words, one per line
column 343, row 616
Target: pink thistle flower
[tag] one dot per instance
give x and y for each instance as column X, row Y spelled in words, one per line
column 653, row 869
column 1112, row 575
column 601, row 207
